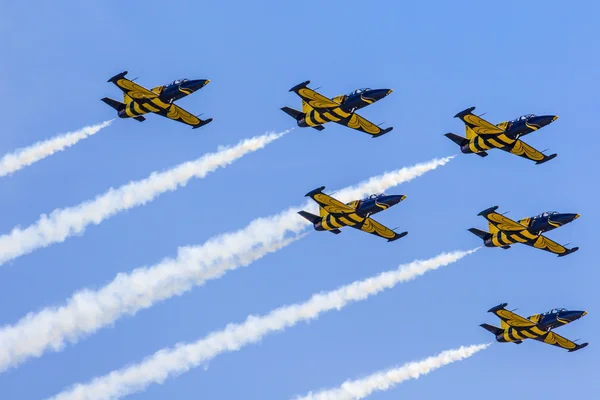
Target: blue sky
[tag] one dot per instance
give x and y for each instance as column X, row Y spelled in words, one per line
column 506, row 58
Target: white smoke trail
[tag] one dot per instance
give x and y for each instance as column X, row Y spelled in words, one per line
column 62, row 223
column 177, row 360
column 384, row 380
column 26, row 156
column 87, row 310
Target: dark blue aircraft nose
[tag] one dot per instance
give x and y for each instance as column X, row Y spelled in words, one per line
column 561, row 219
column 572, row 315
column 376, row 94
column 540, row 121
column 195, row 84
column 391, row 200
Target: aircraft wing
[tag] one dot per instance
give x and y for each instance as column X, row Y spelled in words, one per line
column 131, row 88
column 524, row 150
column 312, row 98
column 479, row 125
column 361, row 124
column 328, row 203
column 543, row 243
column 371, row 226
column 500, row 221
column 511, row 318
column 177, row 113
column 555, row 339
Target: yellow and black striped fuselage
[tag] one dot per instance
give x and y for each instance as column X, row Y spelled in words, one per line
column 514, row 130
column 507, row 238
column 364, row 208
column 518, row 334
column 322, row 116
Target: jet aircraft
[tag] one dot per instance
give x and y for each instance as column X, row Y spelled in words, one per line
column 483, row 135
column 505, row 232
column 139, row 100
column 515, row 328
column 333, row 214
column 318, row 109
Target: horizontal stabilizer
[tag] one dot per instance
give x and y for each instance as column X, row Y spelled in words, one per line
column 490, row 328
column 311, row 217
column 139, row 118
column 117, row 105
column 318, row 127
column 483, row 235
column 578, row 347
column 459, row 140
column 383, row 132
column 292, row 113
column 336, row 231
column 547, row 158
column 569, row 251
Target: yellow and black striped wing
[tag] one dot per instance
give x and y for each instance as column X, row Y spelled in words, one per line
column 371, row 226
column 359, row 123
column 133, row 90
column 331, row 205
column 513, row 320
column 555, row 339
column 543, row 243
column 479, row 125
column 177, row 113
column 522, row 149
column 316, row 100
column 503, row 223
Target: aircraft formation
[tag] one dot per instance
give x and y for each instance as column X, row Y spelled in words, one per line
column 480, row 137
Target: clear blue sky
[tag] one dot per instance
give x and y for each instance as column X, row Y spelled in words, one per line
column 507, row 58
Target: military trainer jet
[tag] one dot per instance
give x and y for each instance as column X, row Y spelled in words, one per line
column 515, row 328
column 505, row 232
column 333, row 214
column 318, row 109
column 139, row 100
column 483, row 135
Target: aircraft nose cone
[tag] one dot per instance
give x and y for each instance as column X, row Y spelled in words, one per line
column 196, row 84
column 378, row 94
column 392, row 200
column 566, row 218
column 544, row 120
column 574, row 315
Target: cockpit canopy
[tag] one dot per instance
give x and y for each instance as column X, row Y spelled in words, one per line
column 554, row 311
column 176, row 82
column 358, row 91
column 524, row 117
column 546, row 214
column 374, row 196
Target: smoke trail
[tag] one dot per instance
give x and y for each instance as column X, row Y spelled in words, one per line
column 177, row 360
column 384, row 380
column 26, row 156
column 66, row 222
column 87, row 311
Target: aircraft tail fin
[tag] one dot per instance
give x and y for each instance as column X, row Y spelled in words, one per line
column 483, row 235
column 311, row 217
column 459, row 140
column 118, row 106
column 493, row 329
column 292, row 113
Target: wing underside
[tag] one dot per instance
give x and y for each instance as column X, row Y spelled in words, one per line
column 543, row 243
column 329, row 204
column 177, row 113
column 512, row 319
column 478, row 125
column 555, row 339
column 312, row 98
column 362, row 124
column 522, row 149
column 501, row 222
column 132, row 89
column 373, row 227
